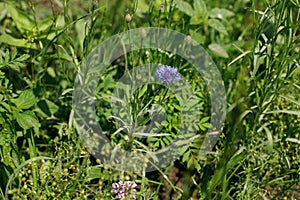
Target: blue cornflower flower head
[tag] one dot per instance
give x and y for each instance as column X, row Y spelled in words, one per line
column 124, row 190
column 168, row 74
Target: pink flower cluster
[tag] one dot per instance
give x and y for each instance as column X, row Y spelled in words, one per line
column 124, row 190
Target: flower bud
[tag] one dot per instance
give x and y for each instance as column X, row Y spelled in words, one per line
column 128, row 17
column 188, row 39
column 143, row 33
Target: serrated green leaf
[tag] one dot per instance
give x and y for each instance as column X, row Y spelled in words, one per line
column 27, row 120
column 25, row 100
column 190, row 162
column 13, row 67
column 218, row 50
column 217, row 25
column 13, row 54
column 197, row 166
column 185, row 156
column 6, row 54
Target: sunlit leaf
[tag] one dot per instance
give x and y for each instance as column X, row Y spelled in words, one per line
column 27, row 120
column 218, row 50
column 185, row 7
column 25, row 100
column 217, row 25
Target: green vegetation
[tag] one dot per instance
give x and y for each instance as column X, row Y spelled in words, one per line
column 256, row 47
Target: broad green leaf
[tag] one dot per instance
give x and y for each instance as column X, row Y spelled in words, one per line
column 218, row 50
column 197, row 20
column 197, row 36
column 185, row 7
column 27, row 120
column 45, row 24
column 220, row 13
column 200, row 8
column 47, row 29
column 22, row 19
column 217, row 25
column 8, row 39
column 94, row 172
column 25, row 100
column 47, row 108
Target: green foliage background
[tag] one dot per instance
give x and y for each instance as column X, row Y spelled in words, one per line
column 256, row 46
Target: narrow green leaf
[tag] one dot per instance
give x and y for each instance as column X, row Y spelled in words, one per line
column 22, row 58
column 291, row 100
column 185, row 156
column 6, row 55
column 2, row 74
column 204, row 119
column 7, row 39
column 270, row 138
column 239, row 57
column 293, row 140
column 143, row 91
column 291, row 112
column 236, row 158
